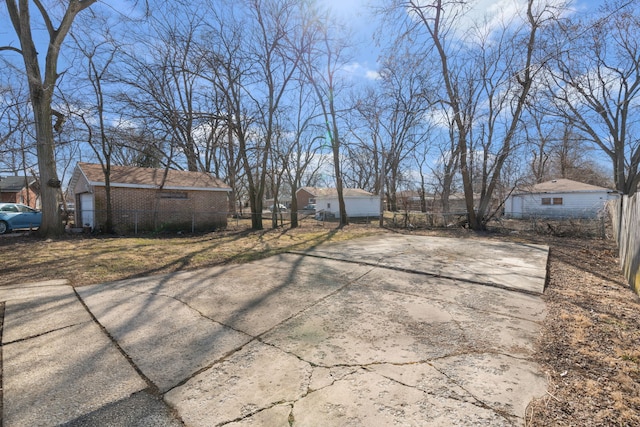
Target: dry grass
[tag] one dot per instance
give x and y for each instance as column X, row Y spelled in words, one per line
column 87, row 260
column 590, row 342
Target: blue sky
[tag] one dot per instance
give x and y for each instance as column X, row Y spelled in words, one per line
column 357, row 15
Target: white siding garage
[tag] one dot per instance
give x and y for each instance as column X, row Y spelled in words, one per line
column 359, row 203
column 559, row 198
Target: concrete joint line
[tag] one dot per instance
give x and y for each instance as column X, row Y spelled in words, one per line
column 62, row 328
column 152, row 388
column 481, row 310
column 423, row 273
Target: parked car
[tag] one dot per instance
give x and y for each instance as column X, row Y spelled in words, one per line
column 280, row 208
column 15, row 216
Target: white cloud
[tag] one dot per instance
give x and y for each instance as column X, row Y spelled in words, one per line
column 372, row 75
column 485, row 17
column 358, row 70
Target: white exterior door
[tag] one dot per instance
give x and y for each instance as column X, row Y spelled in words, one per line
column 86, row 210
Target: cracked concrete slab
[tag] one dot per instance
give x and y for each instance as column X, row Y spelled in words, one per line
column 166, row 339
column 383, row 330
column 141, row 409
column 30, row 314
column 249, row 299
column 502, row 264
column 247, row 382
column 369, row 399
column 58, row 376
column 501, row 382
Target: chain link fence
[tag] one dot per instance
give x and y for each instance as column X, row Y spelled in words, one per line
column 141, row 221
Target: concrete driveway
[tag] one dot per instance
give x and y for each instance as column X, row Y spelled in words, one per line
column 380, row 331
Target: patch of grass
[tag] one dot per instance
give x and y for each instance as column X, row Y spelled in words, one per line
column 87, row 260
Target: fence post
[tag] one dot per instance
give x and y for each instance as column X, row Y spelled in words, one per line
column 193, row 222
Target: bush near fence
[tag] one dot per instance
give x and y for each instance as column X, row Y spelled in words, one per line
column 560, row 226
column 625, row 216
column 141, row 221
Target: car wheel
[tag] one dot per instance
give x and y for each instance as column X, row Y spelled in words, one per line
column 3, row 227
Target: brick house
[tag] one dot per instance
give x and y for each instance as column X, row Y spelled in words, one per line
column 145, row 199
column 20, row 189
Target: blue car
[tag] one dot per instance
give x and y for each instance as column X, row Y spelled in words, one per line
column 15, row 216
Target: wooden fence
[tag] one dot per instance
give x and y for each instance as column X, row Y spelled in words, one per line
column 626, row 225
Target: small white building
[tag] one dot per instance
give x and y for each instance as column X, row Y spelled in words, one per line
column 558, row 198
column 358, row 203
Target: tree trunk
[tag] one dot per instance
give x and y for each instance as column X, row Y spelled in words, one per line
column 49, row 183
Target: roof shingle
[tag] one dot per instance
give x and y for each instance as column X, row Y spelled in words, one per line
column 149, row 177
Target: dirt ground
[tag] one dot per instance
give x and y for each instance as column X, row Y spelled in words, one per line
column 589, row 344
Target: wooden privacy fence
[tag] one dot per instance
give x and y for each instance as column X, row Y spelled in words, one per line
column 625, row 216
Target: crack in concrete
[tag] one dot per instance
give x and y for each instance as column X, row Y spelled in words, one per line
column 185, row 303
column 252, row 413
column 481, row 403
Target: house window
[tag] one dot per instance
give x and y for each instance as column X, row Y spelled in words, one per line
column 552, row 201
column 312, row 200
column 328, row 205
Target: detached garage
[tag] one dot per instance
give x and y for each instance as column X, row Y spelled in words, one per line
column 149, row 199
column 559, row 198
column 359, row 203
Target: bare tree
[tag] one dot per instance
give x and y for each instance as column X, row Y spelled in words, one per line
column 41, row 87
column 403, row 115
column 96, row 60
column 595, row 84
column 299, row 152
column 17, row 148
column 446, row 166
column 325, row 56
column 487, row 78
column 165, row 84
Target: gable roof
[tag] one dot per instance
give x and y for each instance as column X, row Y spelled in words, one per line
column 136, row 177
column 562, row 185
column 332, row 192
column 14, row 184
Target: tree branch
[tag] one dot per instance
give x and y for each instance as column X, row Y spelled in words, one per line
column 11, row 48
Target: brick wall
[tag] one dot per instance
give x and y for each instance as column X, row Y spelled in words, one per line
column 151, row 210
column 302, row 197
column 26, row 196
